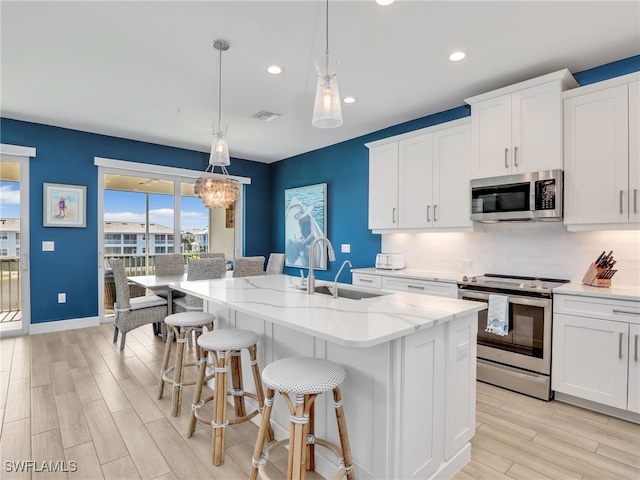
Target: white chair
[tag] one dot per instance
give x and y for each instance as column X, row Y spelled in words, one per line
column 130, row 312
column 199, row 269
column 275, row 264
column 248, row 266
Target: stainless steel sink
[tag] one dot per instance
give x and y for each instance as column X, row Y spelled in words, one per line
column 347, row 293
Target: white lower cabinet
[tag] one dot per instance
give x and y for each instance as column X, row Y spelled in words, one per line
column 595, row 350
column 406, row 284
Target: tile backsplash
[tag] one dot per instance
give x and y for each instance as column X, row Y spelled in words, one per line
column 529, row 249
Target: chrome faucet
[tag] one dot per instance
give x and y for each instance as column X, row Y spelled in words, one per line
column 311, row 279
column 335, row 281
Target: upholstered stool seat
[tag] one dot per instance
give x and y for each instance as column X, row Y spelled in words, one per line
column 180, row 326
column 226, row 345
column 303, row 378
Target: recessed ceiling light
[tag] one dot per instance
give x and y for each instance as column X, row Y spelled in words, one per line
column 457, row 56
column 275, row 69
column 384, row 3
column 349, row 100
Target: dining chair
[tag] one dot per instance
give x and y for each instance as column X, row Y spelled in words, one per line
column 199, row 269
column 275, row 264
column 130, row 312
column 248, row 266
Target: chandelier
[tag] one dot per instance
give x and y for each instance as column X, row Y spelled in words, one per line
column 327, row 112
column 218, row 191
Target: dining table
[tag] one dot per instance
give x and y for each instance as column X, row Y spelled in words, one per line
column 158, row 283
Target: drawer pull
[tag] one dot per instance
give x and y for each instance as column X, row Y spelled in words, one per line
column 435, row 216
column 515, row 156
column 635, row 348
column 428, row 209
column 393, row 215
column 417, row 287
column 621, row 195
column 628, row 312
column 365, row 280
column 620, row 346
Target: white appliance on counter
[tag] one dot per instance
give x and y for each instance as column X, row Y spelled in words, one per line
column 390, row 261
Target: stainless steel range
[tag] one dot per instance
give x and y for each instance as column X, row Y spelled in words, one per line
column 521, row 360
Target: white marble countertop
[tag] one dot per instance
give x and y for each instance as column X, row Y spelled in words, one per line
column 352, row 323
column 615, row 292
column 412, row 273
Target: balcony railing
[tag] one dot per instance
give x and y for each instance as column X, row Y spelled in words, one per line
column 10, row 290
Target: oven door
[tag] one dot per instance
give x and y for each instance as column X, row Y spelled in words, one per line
column 528, row 344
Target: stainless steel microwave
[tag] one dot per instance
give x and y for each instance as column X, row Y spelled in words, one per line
column 525, row 197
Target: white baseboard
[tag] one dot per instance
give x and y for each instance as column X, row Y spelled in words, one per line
column 60, row 325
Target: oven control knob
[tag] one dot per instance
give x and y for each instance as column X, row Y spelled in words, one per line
column 544, row 287
column 474, row 279
column 465, row 279
column 532, row 285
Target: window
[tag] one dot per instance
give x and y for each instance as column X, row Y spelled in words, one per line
column 4, row 236
column 112, row 239
column 4, row 252
column 129, row 238
column 128, row 250
column 111, row 250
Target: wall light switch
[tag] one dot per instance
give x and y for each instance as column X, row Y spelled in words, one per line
column 62, row 298
column 346, row 248
column 48, row 246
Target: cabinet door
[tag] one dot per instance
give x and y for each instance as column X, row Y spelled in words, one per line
column 590, row 359
column 536, row 128
column 491, row 137
column 383, row 186
column 634, row 152
column 633, row 398
column 596, row 157
column 415, row 208
column 451, row 189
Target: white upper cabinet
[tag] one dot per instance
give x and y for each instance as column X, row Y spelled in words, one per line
column 420, row 180
column 518, row 129
column 602, row 167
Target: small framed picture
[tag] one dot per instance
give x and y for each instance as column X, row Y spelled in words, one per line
column 64, row 205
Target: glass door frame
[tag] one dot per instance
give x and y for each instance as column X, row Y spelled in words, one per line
column 178, row 176
column 22, row 156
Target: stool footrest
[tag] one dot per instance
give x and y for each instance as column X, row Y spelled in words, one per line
column 232, row 421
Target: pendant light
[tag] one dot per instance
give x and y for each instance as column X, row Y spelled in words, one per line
column 218, row 192
column 327, row 112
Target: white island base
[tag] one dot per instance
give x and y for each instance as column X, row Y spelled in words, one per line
column 409, row 401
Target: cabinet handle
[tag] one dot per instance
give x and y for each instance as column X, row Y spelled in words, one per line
column 393, row 215
column 620, row 346
column 621, row 194
column 515, row 156
column 419, row 287
column 628, row 312
column 428, row 209
column 435, row 217
column 365, row 280
column 635, row 348
column 506, row 160
column 635, row 200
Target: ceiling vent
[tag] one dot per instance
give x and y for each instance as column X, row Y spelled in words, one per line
column 266, row 116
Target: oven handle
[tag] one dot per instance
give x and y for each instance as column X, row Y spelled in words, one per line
column 515, row 299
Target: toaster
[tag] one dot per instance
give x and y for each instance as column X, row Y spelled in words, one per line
column 390, row 261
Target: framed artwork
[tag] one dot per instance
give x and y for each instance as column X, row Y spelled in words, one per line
column 64, row 205
column 305, row 214
column 230, row 216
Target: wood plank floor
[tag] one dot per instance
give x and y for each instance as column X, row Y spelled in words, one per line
column 72, row 396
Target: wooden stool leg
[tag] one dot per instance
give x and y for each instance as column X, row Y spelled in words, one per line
column 219, row 423
column 197, row 393
column 298, row 441
column 237, row 384
column 344, row 436
column 178, row 372
column 165, row 363
column 265, row 426
column 258, row 382
column 311, row 448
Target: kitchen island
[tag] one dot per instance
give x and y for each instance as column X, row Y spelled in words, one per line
column 409, row 395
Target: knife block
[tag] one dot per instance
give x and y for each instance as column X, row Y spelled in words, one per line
column 591, row 277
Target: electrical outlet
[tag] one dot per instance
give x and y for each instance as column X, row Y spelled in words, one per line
column 62, row 298
column 463, row 350
column 346, row 248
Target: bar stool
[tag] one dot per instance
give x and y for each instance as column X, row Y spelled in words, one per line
column 227, row 345
column 180, row 326
column 305, row 378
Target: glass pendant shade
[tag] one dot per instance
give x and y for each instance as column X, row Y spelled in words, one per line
column 327, row 111
column 219, row 150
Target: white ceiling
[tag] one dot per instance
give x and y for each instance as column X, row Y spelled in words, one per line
column 147, row 70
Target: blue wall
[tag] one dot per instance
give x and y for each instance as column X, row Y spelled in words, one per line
column 67, row 156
